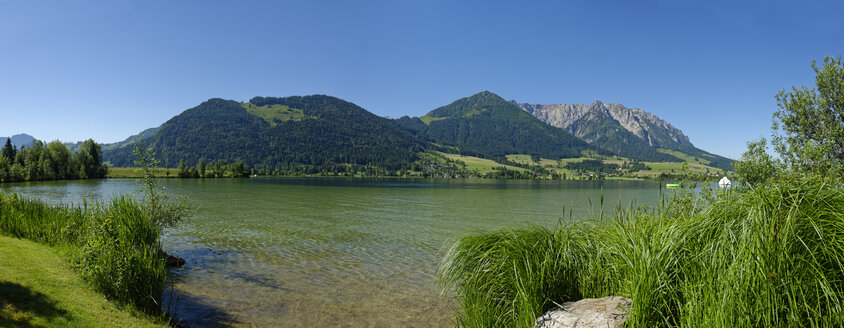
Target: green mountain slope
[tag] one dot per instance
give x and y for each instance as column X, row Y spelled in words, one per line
column 485, row 125
column 281, row 133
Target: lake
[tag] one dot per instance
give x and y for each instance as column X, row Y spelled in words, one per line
column 302, row 252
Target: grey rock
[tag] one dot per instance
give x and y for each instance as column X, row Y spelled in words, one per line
column 605, row 312
column 571, row 117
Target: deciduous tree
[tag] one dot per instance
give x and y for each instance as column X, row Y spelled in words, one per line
column 811, row 122
column 756, row 165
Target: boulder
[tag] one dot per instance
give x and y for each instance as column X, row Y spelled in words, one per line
column 605, row 312
column 174, row 261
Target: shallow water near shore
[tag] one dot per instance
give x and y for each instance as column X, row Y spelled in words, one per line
column 301, row 252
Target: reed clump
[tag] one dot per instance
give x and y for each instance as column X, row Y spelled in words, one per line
column 114, row 246
column 767, row 256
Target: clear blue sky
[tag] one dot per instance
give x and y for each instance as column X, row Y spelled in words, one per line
column 71, row 70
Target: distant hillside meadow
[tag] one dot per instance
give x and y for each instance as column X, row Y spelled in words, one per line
column 324, row 135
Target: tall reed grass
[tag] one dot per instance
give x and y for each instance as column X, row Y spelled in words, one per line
column 771, row 256
column 114, row 246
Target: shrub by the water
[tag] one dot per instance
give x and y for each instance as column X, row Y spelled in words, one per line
column 114, row 246
column 769, row 256
column 122, row 256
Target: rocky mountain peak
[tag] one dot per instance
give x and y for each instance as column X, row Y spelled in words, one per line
column 650, row 128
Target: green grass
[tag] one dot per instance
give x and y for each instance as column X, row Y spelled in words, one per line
column 38, row 289
column 526, row 159
column 521, row 159
column 428, row 119
column 477, row 164
column 275, row 113
column 657, row 168
column 765, row 257
column 114, row 247
column 134, row 172
column 685, row 157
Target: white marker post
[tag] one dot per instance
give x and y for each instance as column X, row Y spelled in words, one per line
column 724, row 183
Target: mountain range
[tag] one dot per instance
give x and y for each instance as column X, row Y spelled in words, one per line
column 485, row 125
column 629, row 132
column 316, row 133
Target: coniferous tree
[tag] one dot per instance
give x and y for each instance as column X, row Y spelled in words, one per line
column 90, row 156
column 182, row 168
column 9, row 151
column 202, row 167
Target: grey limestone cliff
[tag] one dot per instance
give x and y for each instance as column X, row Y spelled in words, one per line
column 582, row 120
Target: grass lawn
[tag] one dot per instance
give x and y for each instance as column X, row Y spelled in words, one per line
column 38, row 289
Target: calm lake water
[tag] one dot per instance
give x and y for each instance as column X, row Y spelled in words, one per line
column 310, row 252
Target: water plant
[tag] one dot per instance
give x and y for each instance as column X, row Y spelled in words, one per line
column 766, row 256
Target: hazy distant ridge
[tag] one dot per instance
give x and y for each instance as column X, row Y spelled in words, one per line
column 18, row 140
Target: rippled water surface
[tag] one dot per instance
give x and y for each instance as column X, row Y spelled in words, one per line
column 338, row 252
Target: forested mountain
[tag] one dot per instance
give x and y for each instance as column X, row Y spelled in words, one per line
column 323, row 134
column 130, row 141
column 294, row 133
column 629, row 132
column 486, row 125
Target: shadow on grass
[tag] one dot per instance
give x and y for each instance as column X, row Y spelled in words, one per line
column 20, row 304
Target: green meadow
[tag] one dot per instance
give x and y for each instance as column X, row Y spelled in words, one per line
column 39, row 289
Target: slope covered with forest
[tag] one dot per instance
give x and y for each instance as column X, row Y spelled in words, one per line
column 326, row 135
column 306, row 133
column 486, row 125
